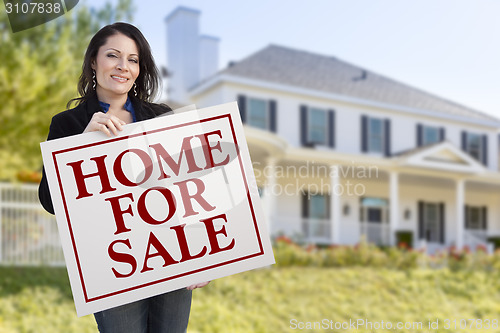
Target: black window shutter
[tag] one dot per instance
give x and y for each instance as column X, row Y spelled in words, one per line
column 364, row 134
column 305, row 213
column 303, row 125
column 441, row 222
column 464, row 140
column 328, row 208
column 387, row 137
column 305, row 205
column 421, row 220
column 242, row 105
column 466, row 217
column 485, row 150
column 331, row 128
column 272, row 116
column 442, row 134
column 484, row 213
column 420, row 130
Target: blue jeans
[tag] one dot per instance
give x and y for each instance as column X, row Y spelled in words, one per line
column 167, row 312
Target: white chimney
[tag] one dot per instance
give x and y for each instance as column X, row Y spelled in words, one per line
column 191, row 57
column 183, row 52
column 209, row 56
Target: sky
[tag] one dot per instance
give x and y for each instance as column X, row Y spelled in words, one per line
column 450, row 48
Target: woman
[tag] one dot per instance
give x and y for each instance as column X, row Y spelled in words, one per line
column 118, row 82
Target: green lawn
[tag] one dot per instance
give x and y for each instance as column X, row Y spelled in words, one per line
column 279, row 300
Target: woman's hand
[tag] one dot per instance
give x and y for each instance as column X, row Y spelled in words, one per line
column 198, row 285
column 105, row 123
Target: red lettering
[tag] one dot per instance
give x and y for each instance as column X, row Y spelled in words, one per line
column 186, row 197
column 160, row 251
column 143, row 211
column 161, row 153
column 118, row 170
column 212, row 234
column 80, row 177
column 207, row 149
column 183, row 245
column 118, row 212
column 122, row 257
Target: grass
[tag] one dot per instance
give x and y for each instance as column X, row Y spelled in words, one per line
column 274, row 300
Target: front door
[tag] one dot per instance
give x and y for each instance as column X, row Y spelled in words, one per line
column 374, row 220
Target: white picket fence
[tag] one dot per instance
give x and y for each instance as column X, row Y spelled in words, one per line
column 28, row 234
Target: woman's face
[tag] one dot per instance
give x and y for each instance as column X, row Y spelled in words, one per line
column 116, row 67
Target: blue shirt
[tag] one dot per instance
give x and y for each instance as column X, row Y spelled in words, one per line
column 128, row 106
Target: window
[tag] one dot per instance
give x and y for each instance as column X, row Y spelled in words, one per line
column 475, row 220
column 474, row 145
column 318, row 205
column 316, row 214
column 475, row 217
column 375, row 135
column 257, row 113
column 318, row 126
column 430, row 135
column 431, row 221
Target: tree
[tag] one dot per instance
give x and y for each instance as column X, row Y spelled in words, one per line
column 39, row 70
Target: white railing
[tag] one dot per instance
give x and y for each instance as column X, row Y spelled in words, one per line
column 308, row 230
column 475, row 238
column 377, row 233
column 28, row 234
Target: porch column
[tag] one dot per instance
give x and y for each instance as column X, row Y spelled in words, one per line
column 459, row 208
column 393, row 206
column 335, row 192
column 268, row 195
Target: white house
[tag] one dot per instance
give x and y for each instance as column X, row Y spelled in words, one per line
column 340, row 152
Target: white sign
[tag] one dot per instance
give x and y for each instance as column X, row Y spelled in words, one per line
column 170, row 202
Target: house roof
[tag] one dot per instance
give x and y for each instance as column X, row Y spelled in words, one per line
column 304, row 69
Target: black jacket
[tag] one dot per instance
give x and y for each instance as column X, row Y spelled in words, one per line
column 74, row 121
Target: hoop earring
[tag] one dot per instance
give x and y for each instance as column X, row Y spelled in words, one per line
column 94, row 82
column 135, row 91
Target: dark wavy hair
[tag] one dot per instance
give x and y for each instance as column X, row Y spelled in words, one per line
column 147, row 82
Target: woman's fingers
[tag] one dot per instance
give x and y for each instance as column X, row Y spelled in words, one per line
column 106, row 123
column 198, row 285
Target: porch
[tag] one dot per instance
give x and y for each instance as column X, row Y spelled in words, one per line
column 438, row 194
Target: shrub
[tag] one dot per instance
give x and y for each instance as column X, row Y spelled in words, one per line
column 288, row 253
